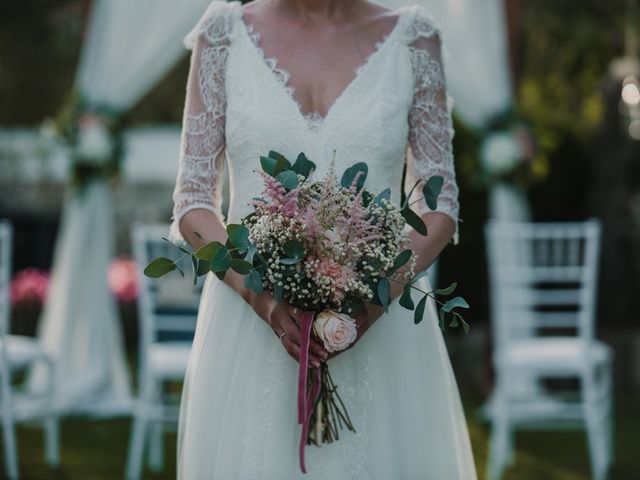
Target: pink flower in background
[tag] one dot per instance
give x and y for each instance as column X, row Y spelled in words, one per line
column 123, row 279
column 29, row 286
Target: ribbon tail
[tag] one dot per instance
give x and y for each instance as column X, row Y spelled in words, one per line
column 303, row 403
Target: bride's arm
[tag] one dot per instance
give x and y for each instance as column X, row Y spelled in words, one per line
column 197, row 213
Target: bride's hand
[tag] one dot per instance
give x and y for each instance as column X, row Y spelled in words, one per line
column 364, row 319
column 280, row 318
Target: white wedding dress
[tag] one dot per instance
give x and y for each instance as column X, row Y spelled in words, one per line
column 238, row 412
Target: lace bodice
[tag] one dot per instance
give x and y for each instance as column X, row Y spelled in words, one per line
column 238, row 106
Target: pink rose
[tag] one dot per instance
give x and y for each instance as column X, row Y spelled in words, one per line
column 336, row 330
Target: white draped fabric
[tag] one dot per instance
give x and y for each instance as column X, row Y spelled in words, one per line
column 129, row 46
column 476, row 49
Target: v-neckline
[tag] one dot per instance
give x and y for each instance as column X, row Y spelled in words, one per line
column 313, row 120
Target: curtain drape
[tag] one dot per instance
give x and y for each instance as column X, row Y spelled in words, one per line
column 129, row 46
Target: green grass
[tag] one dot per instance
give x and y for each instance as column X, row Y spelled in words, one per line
column 97, row 449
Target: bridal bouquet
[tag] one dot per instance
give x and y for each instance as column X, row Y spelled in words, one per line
column 326, row 247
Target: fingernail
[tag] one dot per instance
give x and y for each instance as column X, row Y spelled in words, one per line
column 315, row 364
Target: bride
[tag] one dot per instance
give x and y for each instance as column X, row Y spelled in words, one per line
column 315, row 76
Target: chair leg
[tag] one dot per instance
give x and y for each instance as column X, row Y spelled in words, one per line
column 136, row 444
column 52, row 440
column 595, row 420
column 155, row 460
column 156, row 447
column 500, row 447
column 9, row 440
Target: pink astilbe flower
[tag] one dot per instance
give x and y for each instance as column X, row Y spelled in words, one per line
column 29, row 286
column 276, row 199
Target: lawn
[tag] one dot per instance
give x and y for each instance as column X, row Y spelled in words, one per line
column 96, row 450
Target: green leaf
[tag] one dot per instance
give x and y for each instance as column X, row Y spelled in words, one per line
column 303, row 166
column 350, row 175
column 238, row 235
column 221, row 261
column 383, row 195
column 241, row 266
column 465, row 326
column 294, row 249
column 159, row 266
column 220, row 275
column 454, row 322
column 384, row 292
column 414, row 221
column 290, row 261
column 288, row 179
column 268, row 164
column 181, row 248
column 402, row 258
column 253, row 281
column 441, row 319
column 353, row 305
column 405, row 299
column 419, row 311
column 194, row 265
column 203, row 267
column 431, row 190
column 406, row 200
column 251, row 252
column 446, row 291
column 278, row 293
column 281, row 162
column 206, row 252
column 453, row 303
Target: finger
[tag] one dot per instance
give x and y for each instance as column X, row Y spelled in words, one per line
column 296, row 314
column 294, row 350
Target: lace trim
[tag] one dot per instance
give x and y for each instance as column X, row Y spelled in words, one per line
column 315, row 119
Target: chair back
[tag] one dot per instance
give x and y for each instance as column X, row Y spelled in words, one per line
column 543, row 278
column 168, row 305
column 5, row 275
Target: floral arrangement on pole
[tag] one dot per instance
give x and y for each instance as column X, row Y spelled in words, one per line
column 507, row 152
column 93, row 137
column 327, row 248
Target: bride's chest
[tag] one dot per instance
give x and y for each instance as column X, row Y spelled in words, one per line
column 367, row 119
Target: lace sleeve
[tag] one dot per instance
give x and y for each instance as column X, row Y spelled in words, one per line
column 202, row 145
column 430, row 125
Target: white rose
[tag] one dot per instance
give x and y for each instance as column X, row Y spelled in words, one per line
column 500, row 152
column 336, row 330
column 94, row 143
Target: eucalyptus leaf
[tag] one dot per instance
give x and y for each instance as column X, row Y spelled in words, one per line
column 454, row 322
column 288, row 179
column 384, row 292
column 465, row 326
column 401, row 260
column 294, row 248
column 405, row 299
column 241, row 266
column 194, row 265
column 268, row 164
column 414, row 221
column 383, row 195
column 419, row 311
column 238, row 235
column 446, row 291
column 431, row 190
column 303, row 166
column 281, row 162
column 253, row 281
column 456, row 302
column 206, row 252
column 180, row 247
column 441, row 319
column 159, row 266
column 203, row 267
column 221, row 261
column 350, row 175
column 278, row 293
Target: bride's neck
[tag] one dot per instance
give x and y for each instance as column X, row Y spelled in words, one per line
column 318, row 10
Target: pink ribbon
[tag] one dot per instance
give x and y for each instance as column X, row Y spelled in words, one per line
column 306, row 399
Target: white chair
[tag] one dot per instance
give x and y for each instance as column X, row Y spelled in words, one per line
column 17, row 353
column 543, row 279
column 167, row 307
